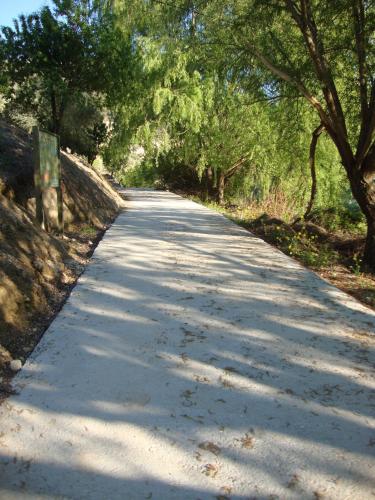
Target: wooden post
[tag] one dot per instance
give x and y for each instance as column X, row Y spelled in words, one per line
column 37, row 180
column 47, row 174
column 60, row 204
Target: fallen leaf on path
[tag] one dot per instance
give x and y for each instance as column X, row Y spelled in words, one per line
column 318, row 495
column 289, row 391
column 294, row 482
column 247, row 441
column 225, row 383
column 188, row 393
column 209, row 446
column 210, row 470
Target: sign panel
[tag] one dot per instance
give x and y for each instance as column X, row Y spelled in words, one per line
column 47, row 174
column 49, row 161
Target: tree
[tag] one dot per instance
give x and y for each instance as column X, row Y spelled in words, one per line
column 322, row 51
column 49, row 59
column 83, row 129
column 234, row 137
column 199, row 116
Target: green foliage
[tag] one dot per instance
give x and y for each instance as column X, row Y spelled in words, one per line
column 143, row 176
column 188, row 101
column 83, row 129
column 302, row 246
column 190, row 116
column 299, row 244
column 59, row 67
column 348, row 218
column 49, row 60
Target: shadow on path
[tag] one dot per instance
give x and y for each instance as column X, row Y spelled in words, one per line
column 195, row 361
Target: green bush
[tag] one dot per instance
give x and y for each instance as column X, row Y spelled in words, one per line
column 348, row 218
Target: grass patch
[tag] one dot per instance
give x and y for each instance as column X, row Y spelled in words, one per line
column 88, row 230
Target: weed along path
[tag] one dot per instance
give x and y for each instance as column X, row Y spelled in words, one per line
column 194, row 361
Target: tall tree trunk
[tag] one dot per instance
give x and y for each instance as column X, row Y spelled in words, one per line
column 221, row 188
column 369, row 253
column 209, row 183
column 359, row 165
column 193, row 26
column 368, row 207
column 57, row 111
column 313, row 144
column 54, row 113
column 60, row 115
column 228, row 174
column 362, row 180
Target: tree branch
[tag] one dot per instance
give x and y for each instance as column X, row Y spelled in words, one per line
column 359, row 28
column 313, row 144
column 236, row 166
column 304, row 19
column 365, row 139
column 306, row 23
column 299, row 85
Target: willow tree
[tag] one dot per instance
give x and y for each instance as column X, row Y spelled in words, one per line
column 235, row 138
column 198, row 127
column 191, row 104
column 321, row 51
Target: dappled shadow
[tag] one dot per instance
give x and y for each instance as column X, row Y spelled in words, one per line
column 30, row 260
column 193, row 360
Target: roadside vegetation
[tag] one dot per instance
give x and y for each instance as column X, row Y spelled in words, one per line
column 263, row 109
column 329, row 243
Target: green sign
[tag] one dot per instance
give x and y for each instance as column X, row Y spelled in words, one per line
column 47, row 174
column 49, row 160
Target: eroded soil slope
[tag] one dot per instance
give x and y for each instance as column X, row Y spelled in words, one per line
column 37, row 269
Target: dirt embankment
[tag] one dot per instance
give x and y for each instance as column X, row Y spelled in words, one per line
column 38, row 269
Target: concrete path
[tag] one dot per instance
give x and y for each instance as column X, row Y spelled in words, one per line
column 193, row 361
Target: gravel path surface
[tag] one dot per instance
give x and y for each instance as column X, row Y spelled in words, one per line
column 194, row 361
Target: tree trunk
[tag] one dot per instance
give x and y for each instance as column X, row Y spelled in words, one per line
column 369, row 253
column 54, row 113
column 362, row 181
column 228, row 174
column 193, row 26
column 209, row 183
column 57, row 112
column 314, row 142
column 368, row 207
column 221, row 188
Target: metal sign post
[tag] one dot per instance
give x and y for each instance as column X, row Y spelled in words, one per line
column 47, row 172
